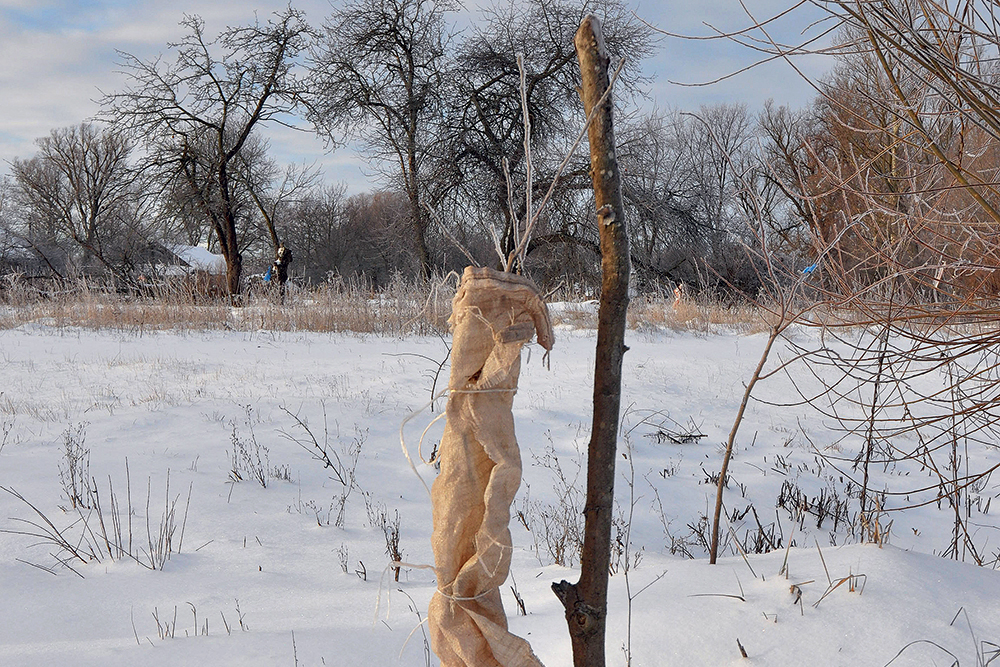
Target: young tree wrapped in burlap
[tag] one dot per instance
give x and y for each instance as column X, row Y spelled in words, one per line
column 494, row 315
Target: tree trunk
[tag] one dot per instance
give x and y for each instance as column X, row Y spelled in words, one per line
column 423, row 253
column 227, row 232
column 231, row 253
column 586, row 602
column 420, row 218
column 234, row 271
column 420, row 223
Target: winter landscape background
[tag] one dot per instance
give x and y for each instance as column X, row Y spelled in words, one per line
column 266, row 576
column 201, row 461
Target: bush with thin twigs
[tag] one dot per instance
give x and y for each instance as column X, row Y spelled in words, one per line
column 342, row 464
column 826, row 505
column 166, row 628
column 378, row 517
column 390, row 529
column 343, row 557
column 6, row 428
column 556, row 527
column 250, row 459
column 161, row 540
column 323, row 515
column 911, row 402
column 105, row 530
column 74, row 468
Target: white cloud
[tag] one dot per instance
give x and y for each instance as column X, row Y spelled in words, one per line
column 48, row 81
column 154, row 23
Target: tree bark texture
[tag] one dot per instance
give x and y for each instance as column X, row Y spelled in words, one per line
column 586, row 601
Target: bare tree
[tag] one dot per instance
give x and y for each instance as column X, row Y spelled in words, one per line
column 359, row 240
column 787, row 165
column 374, row 234
column 81, row 187
column 11, row 250
column 692, row 183
column 315, row 223
column 485, row 128
column 379, row 73
column 273, row 190
column 197, row 114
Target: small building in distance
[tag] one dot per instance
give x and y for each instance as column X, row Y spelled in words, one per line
column 193, row 268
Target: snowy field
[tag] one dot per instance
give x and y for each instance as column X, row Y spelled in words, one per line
column 290, row 569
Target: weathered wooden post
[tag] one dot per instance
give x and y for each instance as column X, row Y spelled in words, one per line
column 586, row 602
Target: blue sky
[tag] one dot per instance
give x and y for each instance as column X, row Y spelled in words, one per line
column 56, row 56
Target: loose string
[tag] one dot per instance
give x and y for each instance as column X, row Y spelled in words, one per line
column 422, row 566
column 413, row 415
column 416, row 627
column 420, row 443
column 402, row 437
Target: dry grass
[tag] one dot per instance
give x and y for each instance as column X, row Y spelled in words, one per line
column 695, row 314
column 399, row 309
column 402, row 308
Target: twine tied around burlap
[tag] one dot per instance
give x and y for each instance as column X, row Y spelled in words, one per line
column 494, row 315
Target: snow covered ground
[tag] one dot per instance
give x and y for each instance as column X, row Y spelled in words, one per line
column 265, row 576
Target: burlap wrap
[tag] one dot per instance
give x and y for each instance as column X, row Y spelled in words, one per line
column 494, row 314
